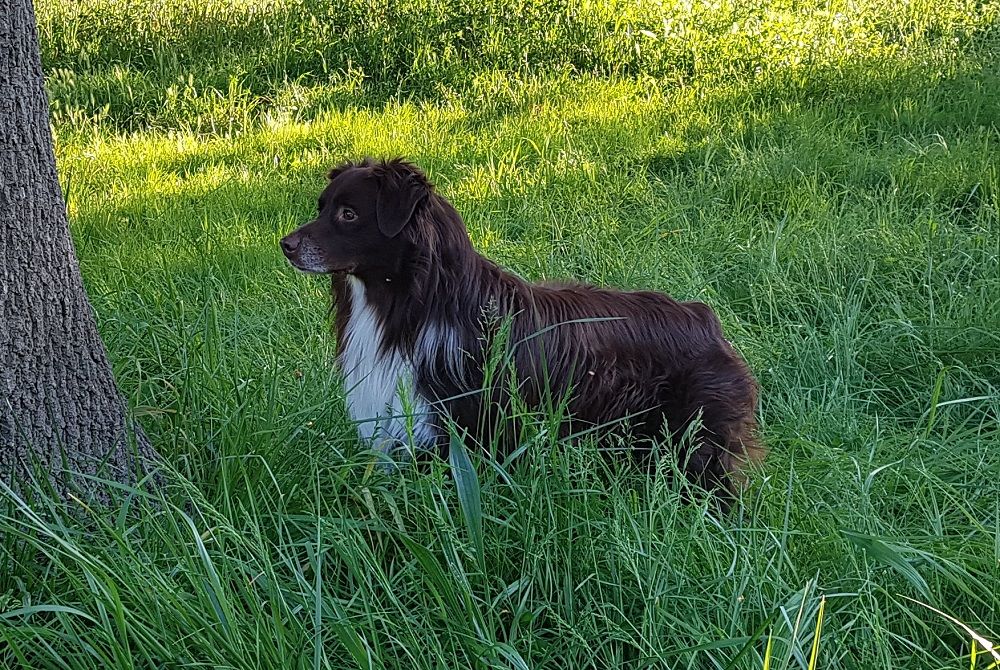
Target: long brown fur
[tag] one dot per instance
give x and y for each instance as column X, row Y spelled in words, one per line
column 638, row 362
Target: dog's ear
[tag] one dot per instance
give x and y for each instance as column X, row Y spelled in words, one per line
column 400, row 190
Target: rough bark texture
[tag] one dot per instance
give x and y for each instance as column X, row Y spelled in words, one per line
column 59, row 405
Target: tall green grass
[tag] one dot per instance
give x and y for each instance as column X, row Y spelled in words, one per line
column 215, row 67
column 824, row 175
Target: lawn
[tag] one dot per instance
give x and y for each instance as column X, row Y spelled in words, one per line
column 826, row 175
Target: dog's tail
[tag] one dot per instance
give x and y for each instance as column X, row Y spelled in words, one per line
column 741, row 451
column 728, row 446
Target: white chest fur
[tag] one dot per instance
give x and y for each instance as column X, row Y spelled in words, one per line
column 381, row 396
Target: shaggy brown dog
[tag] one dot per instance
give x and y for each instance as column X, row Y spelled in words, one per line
column 417, row 308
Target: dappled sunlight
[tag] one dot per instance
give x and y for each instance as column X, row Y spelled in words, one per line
column 220, row 68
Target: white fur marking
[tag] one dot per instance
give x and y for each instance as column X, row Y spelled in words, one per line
column 381, row 396
column 433, row 339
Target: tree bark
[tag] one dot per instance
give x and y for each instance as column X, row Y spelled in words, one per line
column 60, row 409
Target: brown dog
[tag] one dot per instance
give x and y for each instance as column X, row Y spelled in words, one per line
column 417, row 307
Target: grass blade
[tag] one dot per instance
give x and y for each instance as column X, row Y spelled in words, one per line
column 469, row 495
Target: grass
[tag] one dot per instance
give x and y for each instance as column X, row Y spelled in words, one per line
column 824, row 175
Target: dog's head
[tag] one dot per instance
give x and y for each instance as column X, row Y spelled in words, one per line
column 363, row 212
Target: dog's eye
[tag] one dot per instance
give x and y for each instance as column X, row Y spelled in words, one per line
column 348, row 214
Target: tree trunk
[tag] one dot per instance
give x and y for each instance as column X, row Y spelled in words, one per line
column 60, row 409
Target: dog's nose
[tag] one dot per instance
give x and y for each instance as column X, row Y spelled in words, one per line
column 289, row 244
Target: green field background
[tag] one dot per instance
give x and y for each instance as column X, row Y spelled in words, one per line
column 824, row 174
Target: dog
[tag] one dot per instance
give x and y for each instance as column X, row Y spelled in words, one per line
column 418, row 312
